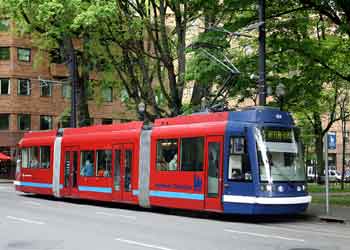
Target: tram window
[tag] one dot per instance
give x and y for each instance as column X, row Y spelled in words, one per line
column 128, row 170
column 45, row 157
column 167, row 154
column 87, row 163
column 104, row 163
column 239, row 165
column 33, row 157
column 192, row 154
column 24, row 158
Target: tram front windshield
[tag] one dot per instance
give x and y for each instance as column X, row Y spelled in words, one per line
column 279, row 155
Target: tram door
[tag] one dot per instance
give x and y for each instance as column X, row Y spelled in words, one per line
column 214, row 161
column 122, row 171
column 70, row 184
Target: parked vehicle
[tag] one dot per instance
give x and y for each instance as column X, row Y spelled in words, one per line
column 346, row 176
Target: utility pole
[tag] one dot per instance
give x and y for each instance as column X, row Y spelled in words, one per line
column 325, row 142
column 262, row 54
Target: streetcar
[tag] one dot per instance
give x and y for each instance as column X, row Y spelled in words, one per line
column 240, row 162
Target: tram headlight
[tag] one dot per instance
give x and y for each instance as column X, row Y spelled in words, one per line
column 304, row 187
column 280, row 189
column 299, row 188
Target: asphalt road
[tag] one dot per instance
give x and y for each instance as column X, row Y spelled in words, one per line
column 29, row 222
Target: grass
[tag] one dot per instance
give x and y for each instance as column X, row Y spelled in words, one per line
column 339, row 200
column 333, row 188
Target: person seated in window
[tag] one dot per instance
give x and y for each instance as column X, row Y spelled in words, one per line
column 88, row 169
column 106, row 173
column 162, row 164
column 34, row 163
column 173, row 163
column 100, row 171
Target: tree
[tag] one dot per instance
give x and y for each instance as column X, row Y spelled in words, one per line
column 50, row 22
column 307, row 55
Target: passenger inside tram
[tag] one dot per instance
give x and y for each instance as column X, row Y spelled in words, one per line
column 88, row 169
column 173, row 163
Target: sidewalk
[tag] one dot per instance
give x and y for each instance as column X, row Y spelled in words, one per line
column 335, row 211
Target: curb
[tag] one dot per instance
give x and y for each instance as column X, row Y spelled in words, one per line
column 329, row 218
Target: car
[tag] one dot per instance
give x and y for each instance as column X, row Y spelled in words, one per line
column 346, row 176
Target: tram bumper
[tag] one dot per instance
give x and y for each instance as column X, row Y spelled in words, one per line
column 265, row 205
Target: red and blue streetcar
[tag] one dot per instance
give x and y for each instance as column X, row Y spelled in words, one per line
column 243, row 162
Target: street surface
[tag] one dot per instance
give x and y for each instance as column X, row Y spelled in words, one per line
column 29, row 222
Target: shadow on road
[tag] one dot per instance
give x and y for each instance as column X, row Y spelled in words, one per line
column 182, row 212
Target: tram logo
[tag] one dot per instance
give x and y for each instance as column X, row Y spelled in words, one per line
column 197, row 183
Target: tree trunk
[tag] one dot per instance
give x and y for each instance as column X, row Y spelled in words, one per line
column 83, row 111
column 73, row 76
column 318, row 131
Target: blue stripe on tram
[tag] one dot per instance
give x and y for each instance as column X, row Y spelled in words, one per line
column 168, row 194
column 95, row 189
column 35, row 184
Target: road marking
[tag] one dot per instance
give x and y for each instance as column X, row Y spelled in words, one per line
column 264, row 235
column 306, row 230
column 117, row 215
column 32, row 203
column 142, row 244
column 26, row 220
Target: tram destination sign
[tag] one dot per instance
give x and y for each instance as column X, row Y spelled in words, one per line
column 278, row 135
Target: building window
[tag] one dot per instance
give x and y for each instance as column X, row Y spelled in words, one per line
column 192, row 154
column 23, row 122
column 45, row 88
column 107, row 94
column 87, row 163
column 106, row 121
column 4, row 53
column 5, row 86
column 4, row 25
column 45, row 122
column 23, row 55
column 56, row 56
column 66, row 91
column 4, row 121
column 23, row 87
column 167, row 155
column 103, row 163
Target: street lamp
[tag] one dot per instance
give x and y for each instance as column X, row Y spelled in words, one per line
column 280, row 93
column 141, row 108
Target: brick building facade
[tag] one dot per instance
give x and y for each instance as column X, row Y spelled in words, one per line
column 26, row 103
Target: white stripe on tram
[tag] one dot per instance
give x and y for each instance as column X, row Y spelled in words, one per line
column 267, row 200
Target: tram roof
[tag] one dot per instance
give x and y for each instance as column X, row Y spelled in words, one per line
column 193, row 118
column 261, row 114
column 136, row 125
